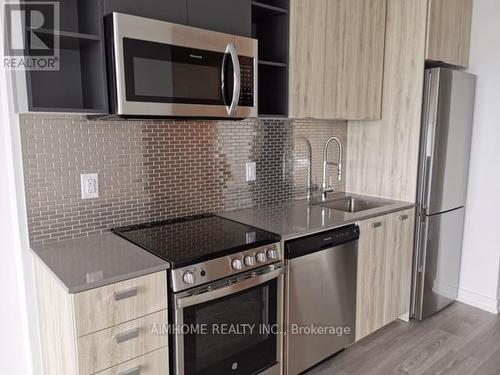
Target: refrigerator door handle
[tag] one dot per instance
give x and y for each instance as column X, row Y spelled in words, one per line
column 426, row 188
column 422, row 245
column 419, row 267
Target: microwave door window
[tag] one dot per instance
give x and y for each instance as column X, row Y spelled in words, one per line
column 156, row 72
column 197, row 82
column 152, row 77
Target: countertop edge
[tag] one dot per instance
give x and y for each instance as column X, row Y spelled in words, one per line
column 253, row 216
column 100, row 283
column 117, row 279
column 348, row 222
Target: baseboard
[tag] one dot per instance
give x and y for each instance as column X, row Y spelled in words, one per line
column 480, row 301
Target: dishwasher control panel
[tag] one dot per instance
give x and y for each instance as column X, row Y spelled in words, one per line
column 323, row 240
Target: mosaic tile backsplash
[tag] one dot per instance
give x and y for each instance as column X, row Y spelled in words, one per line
column 152, row 170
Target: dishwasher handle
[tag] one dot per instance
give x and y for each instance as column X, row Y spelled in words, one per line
column 317, row 242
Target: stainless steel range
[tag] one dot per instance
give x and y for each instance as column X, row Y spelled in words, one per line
column 226, row 287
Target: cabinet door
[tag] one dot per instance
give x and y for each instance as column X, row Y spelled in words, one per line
column 229, row 16
column 307, row 58
column 448, row 31
column 165, row 10
column 371, row 276
column 398, row 266
column 354, row 59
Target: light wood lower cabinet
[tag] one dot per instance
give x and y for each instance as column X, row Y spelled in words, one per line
column 113, row 304
column 371, row 275
column 154, row 363
column 92, row 331
column 398, row 265
column 384, row 270
column 109, row 347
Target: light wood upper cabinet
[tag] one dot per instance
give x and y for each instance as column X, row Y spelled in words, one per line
column 448, row 31
column 385, row 253
column 337, row 58
column 354, row 60
column 307, row 57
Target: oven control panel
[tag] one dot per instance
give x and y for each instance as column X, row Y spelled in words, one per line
column 215, row 269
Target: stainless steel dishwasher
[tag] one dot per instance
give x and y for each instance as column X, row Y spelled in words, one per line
column 320, row 304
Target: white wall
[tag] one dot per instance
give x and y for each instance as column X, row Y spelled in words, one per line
column 15, row 355
column 19, row 343
column 480, row 277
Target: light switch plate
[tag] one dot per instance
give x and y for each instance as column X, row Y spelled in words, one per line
column 90, row 186
column 251, row 171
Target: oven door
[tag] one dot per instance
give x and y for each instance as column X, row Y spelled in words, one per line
column 231, row 329
column 164, row 69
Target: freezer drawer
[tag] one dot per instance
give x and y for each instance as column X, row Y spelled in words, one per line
column 439, row 253
column 446, row 139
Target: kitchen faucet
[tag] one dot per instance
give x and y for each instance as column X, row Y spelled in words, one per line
column 325, row 186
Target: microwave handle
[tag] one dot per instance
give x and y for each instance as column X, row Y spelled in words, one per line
column 223, row 80
column 231, row 49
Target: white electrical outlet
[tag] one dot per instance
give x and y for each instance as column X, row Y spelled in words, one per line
column 90, row 186
column 251, row 171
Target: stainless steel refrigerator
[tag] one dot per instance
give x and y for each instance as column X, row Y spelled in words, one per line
column 442, row 186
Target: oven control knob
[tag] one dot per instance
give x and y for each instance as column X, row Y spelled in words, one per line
column 237, row 264
column 261, row 257
column 188, row 277
column 272, row 254
column 249, row 261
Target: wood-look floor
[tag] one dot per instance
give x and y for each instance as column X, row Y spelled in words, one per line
column 460, row 340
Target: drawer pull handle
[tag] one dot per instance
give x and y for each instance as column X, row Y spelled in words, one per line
column 129, row 335
column 133, row 371
column 123, row 294
column 378, row 224
column 403, row 217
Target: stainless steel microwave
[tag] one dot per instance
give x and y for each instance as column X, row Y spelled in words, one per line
column 163, row 69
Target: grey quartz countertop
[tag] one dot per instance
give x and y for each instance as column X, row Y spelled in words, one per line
column 91, row 262
column 299, row 218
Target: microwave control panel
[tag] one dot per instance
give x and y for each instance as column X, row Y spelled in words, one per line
column 247, row 81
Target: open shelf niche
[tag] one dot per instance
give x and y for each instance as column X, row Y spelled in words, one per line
column 270, row 26
column 80, row 83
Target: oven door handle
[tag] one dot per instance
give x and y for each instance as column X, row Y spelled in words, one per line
column 230, row 289
column 231, row 49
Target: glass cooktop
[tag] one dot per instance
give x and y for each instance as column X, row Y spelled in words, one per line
column 193, row 239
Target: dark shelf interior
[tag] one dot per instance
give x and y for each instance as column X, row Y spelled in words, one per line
column 263, row 9
column 283, row 4
column 76, row 85
column 80, row 83
column 270, row 26
column 272, row 63
column 69, row 34
column 273, row 90
column 79, row 16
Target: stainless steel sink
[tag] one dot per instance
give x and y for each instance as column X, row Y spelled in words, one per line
column 352, row 204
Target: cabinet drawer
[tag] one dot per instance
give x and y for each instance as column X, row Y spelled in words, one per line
column 113, row 304
column 153, row 363
column 109, row 347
